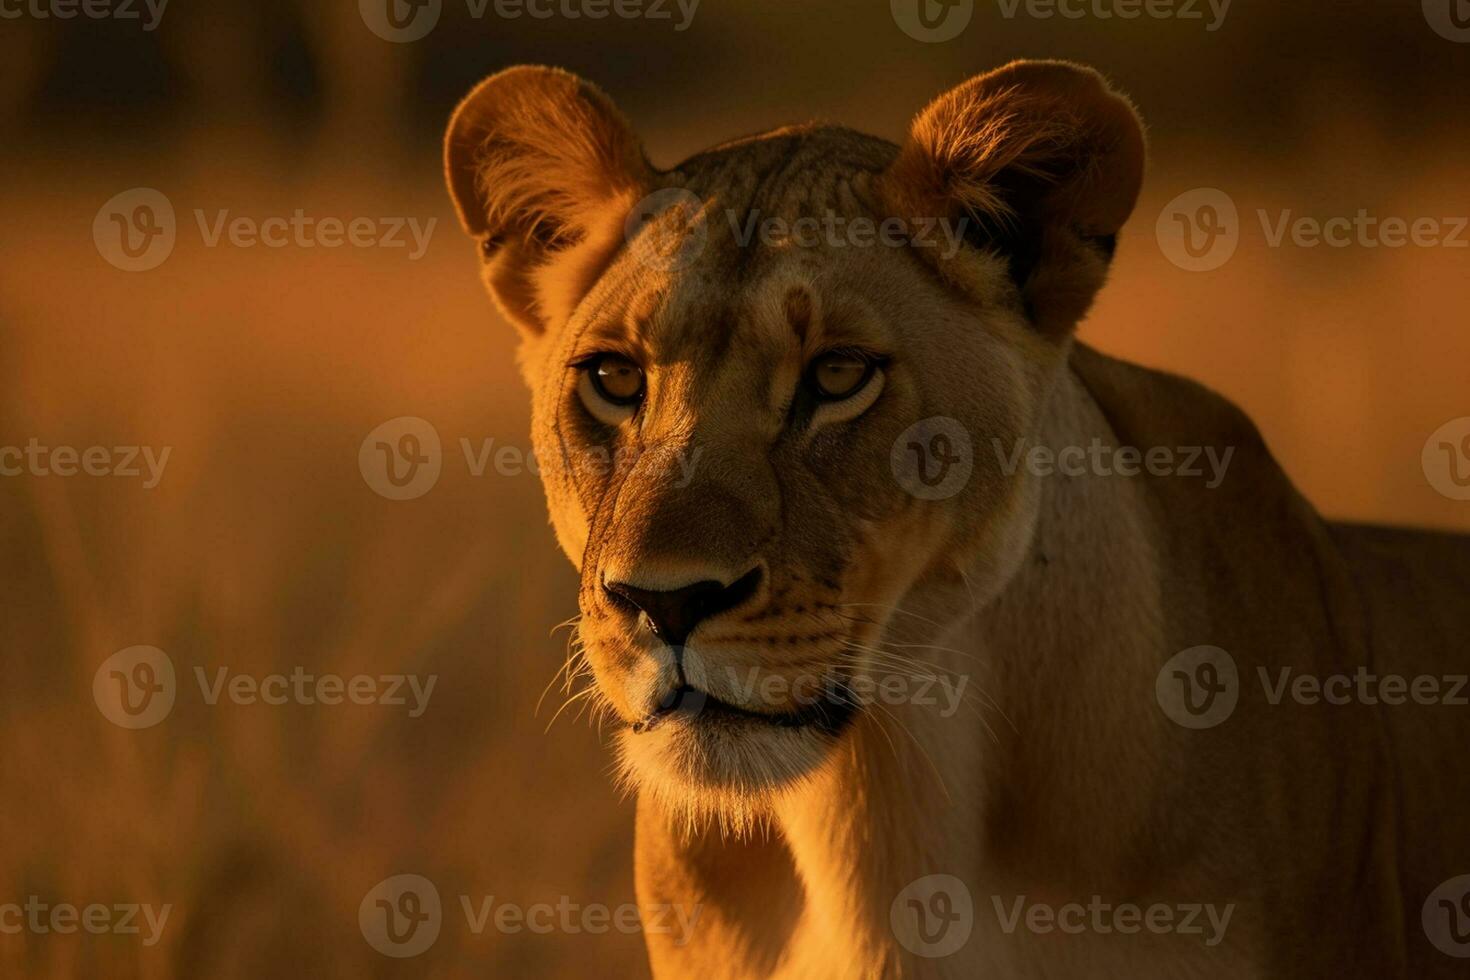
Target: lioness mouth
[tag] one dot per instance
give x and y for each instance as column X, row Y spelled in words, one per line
column 828, row 714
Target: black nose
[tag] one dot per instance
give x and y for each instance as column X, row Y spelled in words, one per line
column 674, row 614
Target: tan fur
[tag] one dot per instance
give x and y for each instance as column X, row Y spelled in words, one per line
column 1059, row 597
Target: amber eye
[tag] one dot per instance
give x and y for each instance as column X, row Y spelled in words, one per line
column 617, row 379
column 839, row 374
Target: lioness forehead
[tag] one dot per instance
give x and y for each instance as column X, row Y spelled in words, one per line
column 786, row 173
column 760, row 187
column 754, row 280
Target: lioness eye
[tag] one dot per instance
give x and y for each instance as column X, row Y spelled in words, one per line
column 611, row 387
column 617, row 379
column 838, row 374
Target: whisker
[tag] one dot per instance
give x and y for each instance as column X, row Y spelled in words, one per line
column 892, row 657
column 582, row 695
column 890, row 608
column 571, row 623
column 893, row 665
column 574, row 652
column 968, row 655
column 923, row 752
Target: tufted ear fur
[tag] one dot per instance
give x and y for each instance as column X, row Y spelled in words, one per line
column 542, row 169
column 1044, row 162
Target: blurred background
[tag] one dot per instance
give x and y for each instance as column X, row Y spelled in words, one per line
column 263, row 549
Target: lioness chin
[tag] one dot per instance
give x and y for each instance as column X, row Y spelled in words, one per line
column 784, row 396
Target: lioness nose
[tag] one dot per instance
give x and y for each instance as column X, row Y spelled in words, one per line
column 674, row 613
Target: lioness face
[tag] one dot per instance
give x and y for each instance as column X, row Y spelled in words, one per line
column 729, row 426
column 753, row 376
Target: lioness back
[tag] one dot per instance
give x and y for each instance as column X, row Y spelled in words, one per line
column 1412, row 586
column 1370, row 620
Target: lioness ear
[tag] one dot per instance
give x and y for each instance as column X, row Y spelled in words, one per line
column 1043, row 161
column 542, row 168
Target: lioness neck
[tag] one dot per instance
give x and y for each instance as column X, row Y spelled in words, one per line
column 901, row 801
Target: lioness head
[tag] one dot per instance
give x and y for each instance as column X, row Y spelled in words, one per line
column 755, row 377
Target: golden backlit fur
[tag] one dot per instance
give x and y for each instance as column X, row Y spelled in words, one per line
column 1047, row 603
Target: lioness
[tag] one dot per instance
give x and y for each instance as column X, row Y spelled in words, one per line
column 787, row 432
